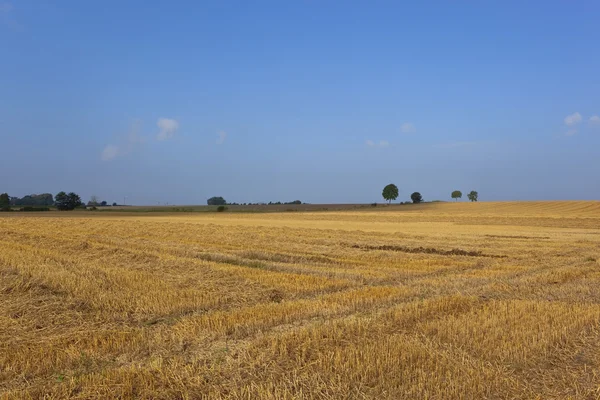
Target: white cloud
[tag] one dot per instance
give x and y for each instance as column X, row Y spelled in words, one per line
column 571, row 132
column 167, row 127
column 111, row 151
column 595, row 120
column 408, row 127
column 381, row 143
column 573, row 119
column 222, row 135
column 128, row 142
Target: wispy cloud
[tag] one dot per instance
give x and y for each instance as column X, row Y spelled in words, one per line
column 222, row 135
column 7, row 17
column 573, row 119
column 408, row 127
column 5, row 7
column 167, row 128
column 110, row 151
column 381, row 143
column 571, row 132
column 455, row 145
column 126, row 145
column 595, row 120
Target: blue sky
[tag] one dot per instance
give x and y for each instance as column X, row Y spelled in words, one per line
column 321, row 101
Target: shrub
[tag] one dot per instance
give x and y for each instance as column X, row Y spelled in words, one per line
column 29, row 208
column 221, row 208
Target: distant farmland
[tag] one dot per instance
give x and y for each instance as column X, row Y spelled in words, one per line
column 241, row 208
column 431, row 301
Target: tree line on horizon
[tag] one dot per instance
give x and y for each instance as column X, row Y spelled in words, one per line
column 69, row 201
column 220, row 201
column 42, row 202
column 390, row 192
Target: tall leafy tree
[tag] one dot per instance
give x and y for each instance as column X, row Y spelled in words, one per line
column 457, row 194
column 61, row 201
column 74, row 200
column 390, row 192
column 416, row 197
column 473, row 195
column 67, row 202
column 4, row 201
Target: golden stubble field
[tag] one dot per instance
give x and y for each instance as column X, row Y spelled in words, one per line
column 437, row 301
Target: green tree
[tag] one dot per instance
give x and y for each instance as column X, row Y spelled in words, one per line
column 416, row 197
column 390, row 192
column 44, row 199
column 4, row 201
column 473, row 195
column 216, row 201
column 457, row 194
column 67, row 202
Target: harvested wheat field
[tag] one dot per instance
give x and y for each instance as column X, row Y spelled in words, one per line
column 435, row 301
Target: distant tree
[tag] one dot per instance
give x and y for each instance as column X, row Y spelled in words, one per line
column 4, row 201
column 74, row 200
column 61, row 200
column 114, row 204
column 473, row 195
column 390, row 192
column 93, row 201
column 67, row 202
column 44, row 199
column 104, row 204
column 216, row 201
column 416, row 197
column 457, row 194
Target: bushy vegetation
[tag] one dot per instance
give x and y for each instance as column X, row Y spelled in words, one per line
column 67, row 202
column 44, row 199
column 473, row 196
column 30, row 208
column 4, row 202
column 216, row 201
column 416, row 197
